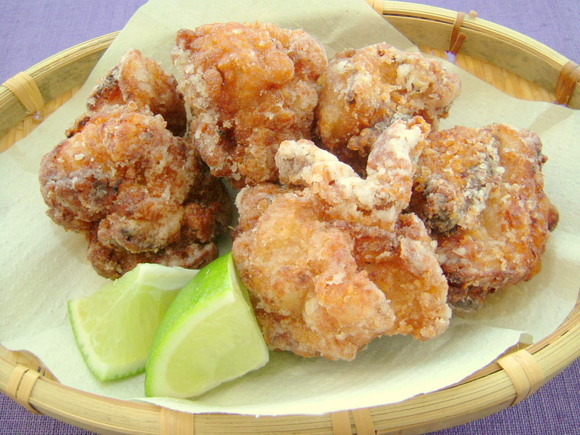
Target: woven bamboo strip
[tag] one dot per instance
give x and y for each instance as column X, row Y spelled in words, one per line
column 487, row 391
column 341, row 423
column 505, row 81
column 525, row 373
column 30, row 122
column 25, row 89
column 20, row 385
column 54, row 76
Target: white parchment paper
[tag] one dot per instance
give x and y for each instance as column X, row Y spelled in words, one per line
column 42, row 266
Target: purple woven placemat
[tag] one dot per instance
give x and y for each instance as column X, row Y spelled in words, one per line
column 32, row 30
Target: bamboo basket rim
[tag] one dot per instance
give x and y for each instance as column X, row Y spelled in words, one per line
column 433, row 13
column 506, row 381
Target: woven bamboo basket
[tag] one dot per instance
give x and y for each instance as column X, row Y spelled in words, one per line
column 512, row 62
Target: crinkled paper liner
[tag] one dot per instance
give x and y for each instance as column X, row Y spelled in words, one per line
column 43, row 266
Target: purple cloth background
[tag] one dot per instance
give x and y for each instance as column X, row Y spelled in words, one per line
column 32, row 30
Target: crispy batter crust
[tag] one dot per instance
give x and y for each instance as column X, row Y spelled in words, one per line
column 142, row 82
column 127, row 179
column 248, row 88
column 480, row 191
column 309, row 295
column 376, row 200
column 363, row 91
column 137, row 192
column 327, row 270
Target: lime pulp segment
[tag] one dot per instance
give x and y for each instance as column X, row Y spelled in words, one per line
column 114, row 327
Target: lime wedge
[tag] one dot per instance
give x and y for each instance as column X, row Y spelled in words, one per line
column 114, row 327
column 208, row 336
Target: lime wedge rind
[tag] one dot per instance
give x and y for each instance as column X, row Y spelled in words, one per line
column 114, row 326
column 209, row 336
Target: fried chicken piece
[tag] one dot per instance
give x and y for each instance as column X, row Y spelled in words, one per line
column 376, row 200
column 480, row 192
column 139, row 80
column 363, row 91
column 309, row 295
column 248, row 88
column 325, row 281
column 136, row 191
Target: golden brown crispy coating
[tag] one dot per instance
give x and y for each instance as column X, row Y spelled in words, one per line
column 325, row 279
column 139, row 80
column 136, row 191
column 480, row 191
column 403, row 264
column 112, row 263
column 376, row 200
column 248, row 87
column 363, row 91
column 309, row 295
